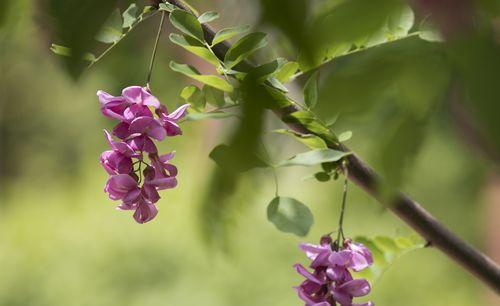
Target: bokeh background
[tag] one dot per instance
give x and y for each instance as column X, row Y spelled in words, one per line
column 63, row 243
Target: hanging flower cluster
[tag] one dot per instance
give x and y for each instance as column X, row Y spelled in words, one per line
column 331, row 282
column 125, row 163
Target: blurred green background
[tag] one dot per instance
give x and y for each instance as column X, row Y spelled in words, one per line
column 63, row 243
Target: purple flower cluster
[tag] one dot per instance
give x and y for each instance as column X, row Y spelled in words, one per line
column 125, row 162
column 331, row 283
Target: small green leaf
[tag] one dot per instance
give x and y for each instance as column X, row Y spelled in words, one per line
column 314, row 157
column 60, row 50
column 187, row 24
column 311, row 141
column 262, row 72
column 345, row 136
column 111, row 31
column 195, row 47
column 229, row 33
column 277, row 84
column 401, row 21
column 208, row 17
column 244, row 47
column 290, row 216
column 129, row 16
column 148, row 9
column 210, row 80
column 322, row 176
column 193, row 95
column 214, row 96
column 429, row 32
column 209, row 115
column 169, row 7
column 285, row 73
column 311, row 91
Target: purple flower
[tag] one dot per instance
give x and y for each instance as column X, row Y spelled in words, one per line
column 115, row 162
column 169, row 121
column 330, row 282
column 136, row 183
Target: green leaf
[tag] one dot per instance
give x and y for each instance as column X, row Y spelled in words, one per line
column 285, row 73
column 210, row 80
column 169, row 7
column 290, row 216
column 311, row 123
column 345, row 136
column 214, row 96
column 311, row 141
column 65, row 51
column 385, row 251
column 193, row 95
column 314, row 157
column 428, row 31
column 111, row 32
column 194, row 46
column 208, row 17
column 209, row 115
column 232, row 160
column 277, row 84
column 228, row 33
column 322, row 176
column 244, row 47
column 129, row 16
column 311, row 90
column 187, row 24
column 401, row 21
column 60, row 50
column 262, row 72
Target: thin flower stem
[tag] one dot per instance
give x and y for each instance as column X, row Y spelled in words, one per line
column 340, row 233
column 153, row 55
column 273, row 168
column 120, row 39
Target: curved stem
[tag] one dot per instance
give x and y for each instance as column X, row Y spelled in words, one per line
column 153, row 55
column 340, row 233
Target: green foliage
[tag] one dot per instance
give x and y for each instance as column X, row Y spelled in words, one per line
column 290, row 216
column 311, row 141
column 208, row 115
column 385, row 251
column 187, row 23
column 208, row 17
column 210, row 80
column 311, row 90
column 213, row 96
column 111, row 31
column 228, row 158
column 427, row 31
column 286, row 71
column 130, row 16
column 228, row 33
column 244, row 47
column 345, row 136
column 194, row 46
column 314, row 157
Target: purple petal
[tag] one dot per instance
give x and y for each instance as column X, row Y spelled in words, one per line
column 179, row 112
column 337, row 274
column 341, row 258
column 138, row 95
column 163, row 183
column 311, row 250
column 166, row 157
column 343, row 298
column 145, row 212
column 321, row 259
column 107, row 99
column 172, row 128
column 136, row 110
column 150, row 193
column 358, row 262
column 121, row 130
column 140, row 124
column 356, row 287
column 156, row 131
column 308, row 275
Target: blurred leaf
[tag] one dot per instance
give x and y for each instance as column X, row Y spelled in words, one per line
column 322, row 176
column 277, row 84
column 193, row 95
column 401, row 21
column 314, row 157
column 345, row 136
column 111, row 31
column 311, row 90
column 311, row 123
column 385, row 250
column 244, row 47
column 230, row 159
column 211, row 80
column 287, row 71
column 214, row 96
column 228, row 33
column 208, row 115
column 187, row 24
column 166, row 6
column 64, row 51
column 208, row 17
column 428, row 31
column 76, row 28
column 195, row 47
column 311, row 141
column 130, row 15
column 290, row 216
column 262, row 72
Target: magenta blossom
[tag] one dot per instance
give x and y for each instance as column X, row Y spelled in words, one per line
column 331, row 283
column 133, row 180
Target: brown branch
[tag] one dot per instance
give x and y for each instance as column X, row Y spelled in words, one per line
column 404, row 207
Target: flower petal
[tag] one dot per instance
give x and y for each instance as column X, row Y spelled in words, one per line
column 356, row 287
column 179, row 112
